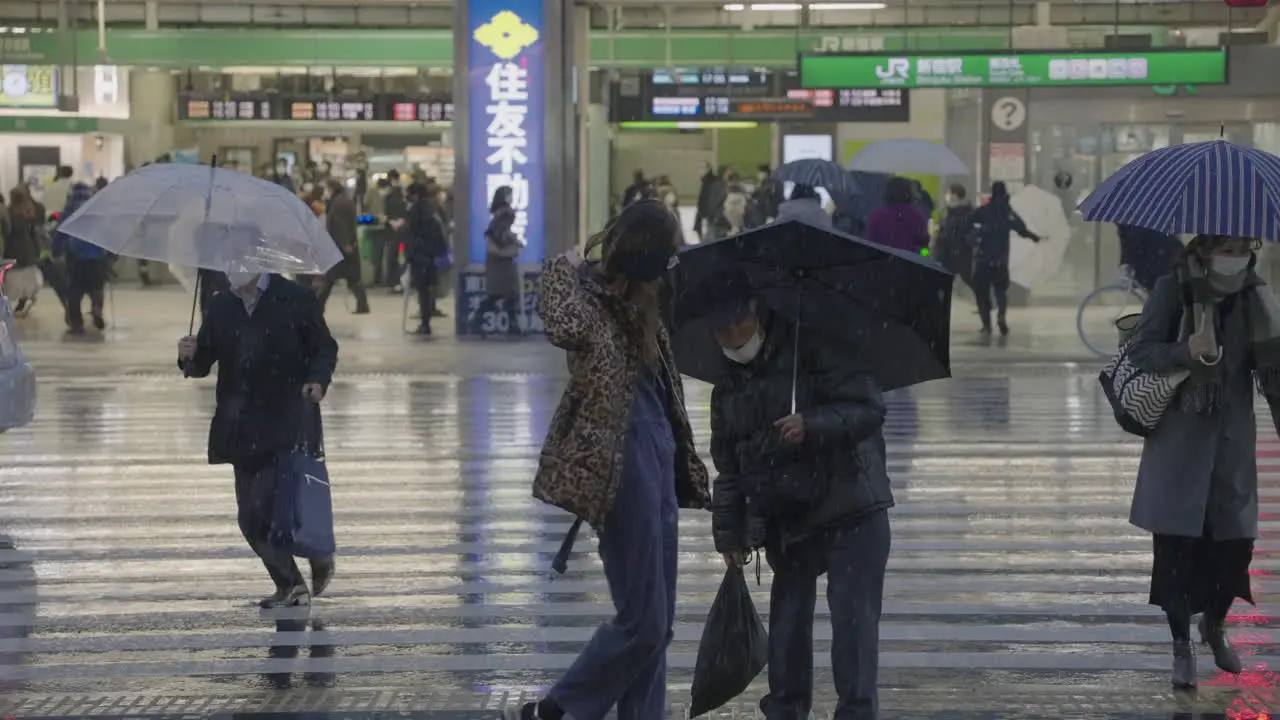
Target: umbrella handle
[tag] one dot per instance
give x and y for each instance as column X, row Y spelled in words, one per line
column 795, row 354
column 195, row 303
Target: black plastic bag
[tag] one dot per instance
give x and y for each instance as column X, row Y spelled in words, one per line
column 734, row 647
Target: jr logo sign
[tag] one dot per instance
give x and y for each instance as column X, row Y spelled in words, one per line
column 895, row 70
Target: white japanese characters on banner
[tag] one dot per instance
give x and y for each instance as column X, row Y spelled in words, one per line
column 507, row 140
column 505, row 144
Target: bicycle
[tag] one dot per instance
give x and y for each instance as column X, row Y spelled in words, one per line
column 1101, row 309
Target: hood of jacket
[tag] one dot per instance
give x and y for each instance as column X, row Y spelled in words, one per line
column 806, row 210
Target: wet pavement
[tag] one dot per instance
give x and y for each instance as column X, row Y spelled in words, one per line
column 1015, row 586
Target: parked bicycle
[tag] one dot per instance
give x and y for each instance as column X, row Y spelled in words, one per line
column 1100, row 309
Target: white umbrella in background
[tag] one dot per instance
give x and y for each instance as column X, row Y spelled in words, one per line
column 1031, row 263
column 908, row 156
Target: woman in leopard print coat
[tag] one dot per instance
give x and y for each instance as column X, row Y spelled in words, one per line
column 620, row 455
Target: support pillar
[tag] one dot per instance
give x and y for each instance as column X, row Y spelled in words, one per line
column 517, row 126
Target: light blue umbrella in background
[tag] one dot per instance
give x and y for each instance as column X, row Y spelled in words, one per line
column 908, row 156
column 1206, row 188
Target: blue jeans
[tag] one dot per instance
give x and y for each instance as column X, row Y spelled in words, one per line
column 625, row 662
column 853, row 555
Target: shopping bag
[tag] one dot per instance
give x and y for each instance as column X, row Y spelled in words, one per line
column 302, row 516
column 734, row 647
column 1138, row 399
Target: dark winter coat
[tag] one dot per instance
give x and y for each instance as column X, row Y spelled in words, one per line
column 22, row 242
column 955, row 244
column 843, row 452
column 1150, row 254
column 263, row 361
column 995, row 221
column 426, row 242
column 501, row 271
column 340, row 219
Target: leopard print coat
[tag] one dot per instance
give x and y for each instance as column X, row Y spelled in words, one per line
column 581, row 464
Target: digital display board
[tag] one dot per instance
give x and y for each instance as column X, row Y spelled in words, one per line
column 1024, row 69
column 329, row 109
column 261, row 106
column 227, row 107
column 405, row 109
column 718, row 94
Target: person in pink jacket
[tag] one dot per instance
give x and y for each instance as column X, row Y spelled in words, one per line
column 899, row 223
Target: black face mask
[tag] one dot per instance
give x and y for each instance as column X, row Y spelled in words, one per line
column 646, row 267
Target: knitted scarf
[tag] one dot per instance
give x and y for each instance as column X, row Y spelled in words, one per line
column 1203, row 391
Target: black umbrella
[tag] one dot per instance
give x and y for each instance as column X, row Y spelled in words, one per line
column 891, row 309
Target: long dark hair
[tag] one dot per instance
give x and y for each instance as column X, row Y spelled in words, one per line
column 501, row 199
column 642, row 227
column 899, row 191
column 20, row 203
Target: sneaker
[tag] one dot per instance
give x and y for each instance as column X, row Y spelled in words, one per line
column 322, row 574
column 290, row 597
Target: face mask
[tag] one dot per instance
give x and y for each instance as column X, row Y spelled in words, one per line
column 242, row 280
column 1229, row 264
column 747, row 352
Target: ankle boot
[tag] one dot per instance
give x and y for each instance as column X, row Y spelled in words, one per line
column 1184, row 665
column 1214, row 635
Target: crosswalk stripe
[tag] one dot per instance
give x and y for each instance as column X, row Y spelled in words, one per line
column 1013, row 562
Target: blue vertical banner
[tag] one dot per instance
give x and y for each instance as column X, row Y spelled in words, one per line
column 506, row 86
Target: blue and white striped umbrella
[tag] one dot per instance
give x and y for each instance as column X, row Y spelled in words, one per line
column 1208, row 188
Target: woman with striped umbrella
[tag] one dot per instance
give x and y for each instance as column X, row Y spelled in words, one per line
column 1216, row 325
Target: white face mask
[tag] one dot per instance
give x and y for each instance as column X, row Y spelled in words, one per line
column 747, row 352
column 241, row 281
column 1229, row 264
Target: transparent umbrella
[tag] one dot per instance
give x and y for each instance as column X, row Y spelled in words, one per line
column 205, row 217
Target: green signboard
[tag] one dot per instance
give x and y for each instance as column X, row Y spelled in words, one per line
column 426, row 47
column 1063, row 68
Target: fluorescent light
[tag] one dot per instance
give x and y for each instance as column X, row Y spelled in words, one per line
column 783, row 7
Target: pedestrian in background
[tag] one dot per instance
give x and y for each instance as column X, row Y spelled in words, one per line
column 954, row 243
column 501, row 268
column 620, row 455
column 994, row 221
column 341, row 222
column 22, row 241
column 426, row 242
column 87, row 269
column 899, row 223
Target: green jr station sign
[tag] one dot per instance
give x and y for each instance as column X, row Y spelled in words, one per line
column 1024, row 69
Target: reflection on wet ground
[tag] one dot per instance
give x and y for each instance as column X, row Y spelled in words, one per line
column 1016, row 586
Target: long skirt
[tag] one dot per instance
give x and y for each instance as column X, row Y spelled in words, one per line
column 1199, row 570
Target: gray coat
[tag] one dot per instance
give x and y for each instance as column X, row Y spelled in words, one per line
column 501, row 268
column 1198, row 471
column 805, row 209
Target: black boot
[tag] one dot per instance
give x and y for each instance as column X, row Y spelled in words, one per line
column 1000, row 322
column 1184, row 665
column 1214, row 634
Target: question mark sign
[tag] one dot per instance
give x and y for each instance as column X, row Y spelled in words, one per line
column 1010, row 110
